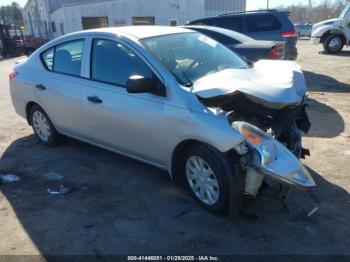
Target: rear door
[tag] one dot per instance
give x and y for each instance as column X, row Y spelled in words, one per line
column 58, row 87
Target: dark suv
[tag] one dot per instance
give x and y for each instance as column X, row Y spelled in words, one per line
column 261, row 25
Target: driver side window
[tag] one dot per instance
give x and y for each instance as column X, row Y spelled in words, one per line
column 114, row 63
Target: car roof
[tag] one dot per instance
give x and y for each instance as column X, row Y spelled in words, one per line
column 254, row 12
column 229, row 33
column 138, row 32
column 280, row 15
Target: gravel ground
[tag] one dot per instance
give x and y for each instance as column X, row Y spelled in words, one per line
column 120, row 206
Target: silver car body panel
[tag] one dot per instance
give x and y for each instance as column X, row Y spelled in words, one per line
column 143, row 126
column 121, row 123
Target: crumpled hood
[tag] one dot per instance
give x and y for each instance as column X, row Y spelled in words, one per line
column 271, row 83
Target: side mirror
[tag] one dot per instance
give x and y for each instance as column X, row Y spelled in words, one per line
column 141, row 84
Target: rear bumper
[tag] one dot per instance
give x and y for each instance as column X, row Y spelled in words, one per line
column 291, row 48
column 291, row 54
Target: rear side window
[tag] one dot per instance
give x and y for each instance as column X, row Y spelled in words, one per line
column 64, row 58
column 232, row 23
column 68, row 56
column 257, row 23
column 114, row 63
column 47, row 58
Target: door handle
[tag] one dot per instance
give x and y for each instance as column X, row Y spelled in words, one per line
column 94, row 99
column 40, row 87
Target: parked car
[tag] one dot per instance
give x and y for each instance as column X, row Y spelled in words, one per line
column 303, row 30
column 245, row 46
column 268, row 25
column 173, row 98
column 333, row 34
column 32, row 43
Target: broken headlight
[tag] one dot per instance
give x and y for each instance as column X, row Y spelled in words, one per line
column 257, row 139
column 273, row 159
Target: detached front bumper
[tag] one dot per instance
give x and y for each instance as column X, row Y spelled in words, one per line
column 315, row 40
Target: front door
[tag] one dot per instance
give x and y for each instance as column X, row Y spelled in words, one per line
column 128, row 123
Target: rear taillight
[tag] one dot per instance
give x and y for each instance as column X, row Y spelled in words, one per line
column 275, row 54
column 13, row 75
column 291, row 33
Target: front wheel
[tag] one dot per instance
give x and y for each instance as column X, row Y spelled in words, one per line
column 333, row 44
column 215, row 182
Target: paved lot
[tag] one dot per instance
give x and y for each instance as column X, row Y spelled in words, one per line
column 120, row 206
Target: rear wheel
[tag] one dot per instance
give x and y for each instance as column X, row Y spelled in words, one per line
column 43, row 127
column 209, row 174
column 333, row 44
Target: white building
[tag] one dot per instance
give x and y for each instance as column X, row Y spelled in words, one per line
column 52, row 18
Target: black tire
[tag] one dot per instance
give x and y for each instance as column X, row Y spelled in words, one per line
column 229, row 176
column 327, row 46
column 54, row 138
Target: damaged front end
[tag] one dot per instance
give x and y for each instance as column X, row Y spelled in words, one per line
column 284, row 124
column 266, row 104
column 273, row 135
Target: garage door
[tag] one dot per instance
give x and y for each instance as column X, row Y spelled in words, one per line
column 143, row 20
column 94, row 22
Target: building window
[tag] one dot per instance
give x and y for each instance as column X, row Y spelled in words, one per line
column 173, row 22
column 94, row 22
column 143, row 20
column 53, row 26
column 62, row 28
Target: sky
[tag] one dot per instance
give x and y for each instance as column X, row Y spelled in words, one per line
column 251, row 4
column 258, row 4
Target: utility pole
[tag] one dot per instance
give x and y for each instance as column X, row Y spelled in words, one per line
column 267, row 7
column 310, row 7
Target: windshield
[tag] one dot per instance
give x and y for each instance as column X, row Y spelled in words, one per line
column 343, row 13
column 190, row 56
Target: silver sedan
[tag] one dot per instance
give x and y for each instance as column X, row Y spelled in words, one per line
column 165, row 96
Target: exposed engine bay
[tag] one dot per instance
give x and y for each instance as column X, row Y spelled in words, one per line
column 283, row 124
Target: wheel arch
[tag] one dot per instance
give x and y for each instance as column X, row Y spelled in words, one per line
column 176, row 156
column 29, row 106
column 181, row 147
column 333, row 32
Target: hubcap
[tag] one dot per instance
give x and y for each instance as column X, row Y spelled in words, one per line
column 335, row 43
column 41, row 126
column 202, row 180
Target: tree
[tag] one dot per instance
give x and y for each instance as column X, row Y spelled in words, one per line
column 11, row 13
column 326, row 9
